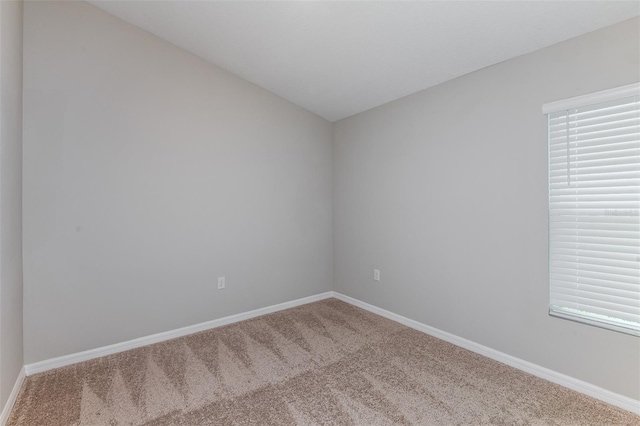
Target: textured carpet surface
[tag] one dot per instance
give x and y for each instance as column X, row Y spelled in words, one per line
column 323, row 363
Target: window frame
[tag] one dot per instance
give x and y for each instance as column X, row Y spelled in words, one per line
column 618, row 93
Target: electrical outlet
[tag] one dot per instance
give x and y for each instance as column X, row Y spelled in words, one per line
column 376, row 274
column 221, row 283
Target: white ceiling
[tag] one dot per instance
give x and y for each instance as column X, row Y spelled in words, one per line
column 340, row 58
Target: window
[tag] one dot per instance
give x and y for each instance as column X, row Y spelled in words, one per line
column 594, row 204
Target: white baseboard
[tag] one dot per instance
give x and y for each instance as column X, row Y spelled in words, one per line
column 594, row 391
column 4, row 416
column 62, row 361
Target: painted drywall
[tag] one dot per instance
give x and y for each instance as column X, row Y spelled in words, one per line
column 445, row 192
column 148, row 173
column 10, row 196
column 338, row 58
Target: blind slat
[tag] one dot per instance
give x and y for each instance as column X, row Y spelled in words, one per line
column 595, row 267
column 586, row 276
column 580, row 179
column 618, row 288
column 621, row 112
column 601, row 300
column 577, row 172
column 613, row 143
column 622, row 157
column 629, row 129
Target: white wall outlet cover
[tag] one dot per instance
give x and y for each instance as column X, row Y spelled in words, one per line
column 376, row 274
column 221, row 283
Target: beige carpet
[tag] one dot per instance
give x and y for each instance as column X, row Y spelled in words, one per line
column 323, row 363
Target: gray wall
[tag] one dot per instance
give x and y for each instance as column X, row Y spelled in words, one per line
column 445, row 192
column 10, row 196
column 148, row 173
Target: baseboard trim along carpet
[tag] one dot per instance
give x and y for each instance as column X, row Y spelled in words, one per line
column 4, row 416
column 589, row 389
column 62, row 361
column 586, row 388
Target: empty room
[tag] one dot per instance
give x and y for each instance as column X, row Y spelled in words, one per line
column 319, row 212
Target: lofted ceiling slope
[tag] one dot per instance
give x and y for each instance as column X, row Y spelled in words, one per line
column 337, row 59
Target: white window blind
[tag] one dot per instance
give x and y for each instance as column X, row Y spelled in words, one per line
column 594, row 205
